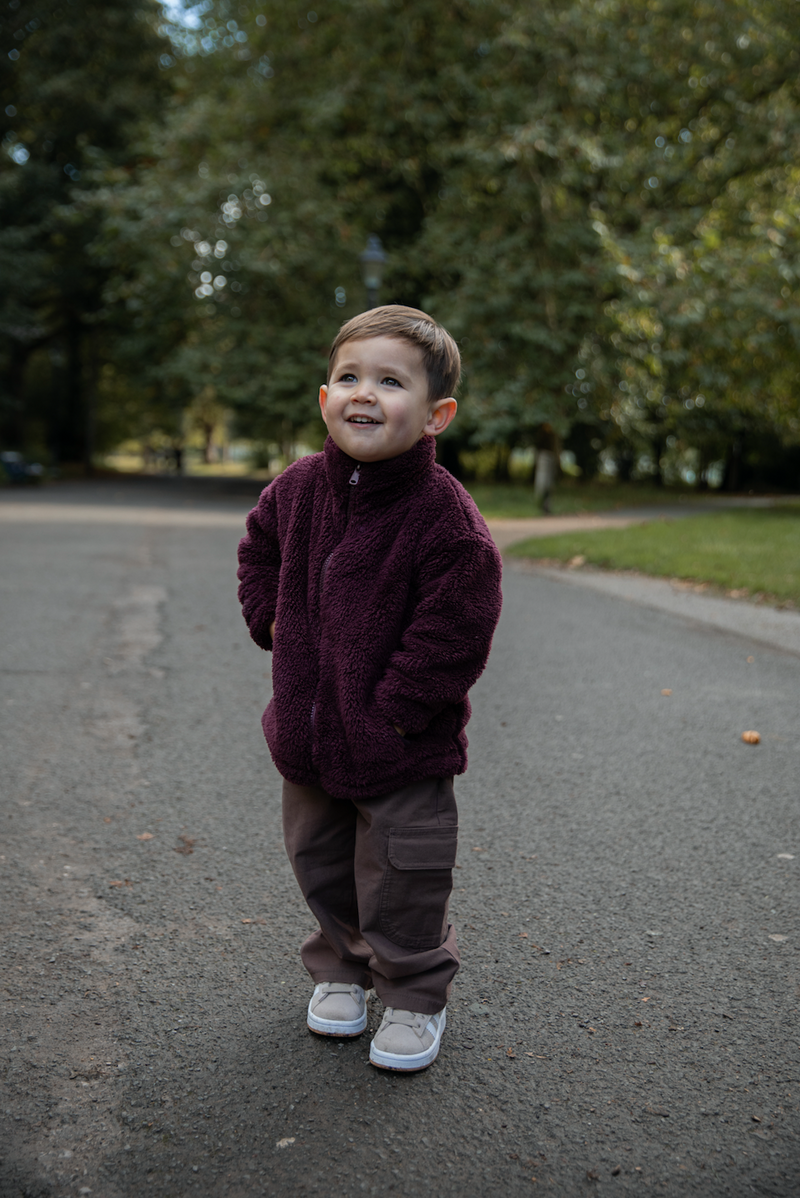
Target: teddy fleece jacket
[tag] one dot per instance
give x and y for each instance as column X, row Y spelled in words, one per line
column 384, row 585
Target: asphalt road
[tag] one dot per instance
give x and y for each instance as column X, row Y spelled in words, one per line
column 626, row 1019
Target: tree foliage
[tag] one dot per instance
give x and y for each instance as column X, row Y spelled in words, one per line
column 73, row 115
column 600, row 200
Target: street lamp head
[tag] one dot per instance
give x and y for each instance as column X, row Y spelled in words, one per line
column 372, row 260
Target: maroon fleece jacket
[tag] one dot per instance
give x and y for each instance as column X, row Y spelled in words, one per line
column 384, row 584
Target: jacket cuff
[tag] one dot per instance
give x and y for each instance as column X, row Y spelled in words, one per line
column 258, row 628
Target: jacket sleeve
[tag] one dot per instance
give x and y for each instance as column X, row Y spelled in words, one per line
column 259, row 568
column 445, row 648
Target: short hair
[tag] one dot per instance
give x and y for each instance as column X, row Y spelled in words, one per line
column 440, row 355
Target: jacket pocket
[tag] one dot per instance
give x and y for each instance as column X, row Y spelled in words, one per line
column 417, row 884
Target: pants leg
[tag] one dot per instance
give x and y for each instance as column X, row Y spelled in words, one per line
column 406, row 845
column 377, row 874
column 320, row 834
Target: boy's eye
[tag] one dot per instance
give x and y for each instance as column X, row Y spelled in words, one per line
column 392, row 382
column 347, row 378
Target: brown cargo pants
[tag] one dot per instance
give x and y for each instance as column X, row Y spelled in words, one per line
column 377, row 874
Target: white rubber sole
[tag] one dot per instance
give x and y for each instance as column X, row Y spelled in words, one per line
column 408, row 1064
column 343, row 1029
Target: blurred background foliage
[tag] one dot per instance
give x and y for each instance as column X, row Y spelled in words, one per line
column 600, row 200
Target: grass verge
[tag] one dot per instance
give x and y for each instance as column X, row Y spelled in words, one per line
column 508, row 501
column 755, row 553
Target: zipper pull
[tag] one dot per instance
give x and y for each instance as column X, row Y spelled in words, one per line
column 354, row 476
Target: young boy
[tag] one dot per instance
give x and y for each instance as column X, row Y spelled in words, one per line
column 369, row 572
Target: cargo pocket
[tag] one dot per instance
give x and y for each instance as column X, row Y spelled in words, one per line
column 417, row 885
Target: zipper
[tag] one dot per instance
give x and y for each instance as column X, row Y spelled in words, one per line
column 353, row 482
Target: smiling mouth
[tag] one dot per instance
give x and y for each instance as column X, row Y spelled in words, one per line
column 361, row 420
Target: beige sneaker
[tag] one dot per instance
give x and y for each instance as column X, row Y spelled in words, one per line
column 407, row 1040
column 337, row 1009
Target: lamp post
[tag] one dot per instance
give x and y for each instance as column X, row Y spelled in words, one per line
column 372, row 261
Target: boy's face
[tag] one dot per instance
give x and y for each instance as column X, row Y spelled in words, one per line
column 376, row 405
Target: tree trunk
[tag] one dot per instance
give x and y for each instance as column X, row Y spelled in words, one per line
column 501, row 472
column 702, row 473
column 71, row 439
column 12, row 428
column 732, row 478
column 447, row 455
column 90, row 420
column 208, row 438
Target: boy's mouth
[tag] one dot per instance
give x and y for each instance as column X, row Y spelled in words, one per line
column 361, row 420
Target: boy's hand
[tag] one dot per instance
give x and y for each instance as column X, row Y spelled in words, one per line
column 272, row 630
column 400, row 731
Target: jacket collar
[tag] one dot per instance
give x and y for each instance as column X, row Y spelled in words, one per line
column 378, row 482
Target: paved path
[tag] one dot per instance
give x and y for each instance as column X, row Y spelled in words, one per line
column 626, row 898
column 692, row 602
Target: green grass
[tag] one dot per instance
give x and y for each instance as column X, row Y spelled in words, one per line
column 757, row 551
column 504, row 501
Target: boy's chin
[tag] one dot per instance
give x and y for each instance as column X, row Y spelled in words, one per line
column 361, row 450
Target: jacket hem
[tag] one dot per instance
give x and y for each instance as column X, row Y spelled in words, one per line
column 346, row 789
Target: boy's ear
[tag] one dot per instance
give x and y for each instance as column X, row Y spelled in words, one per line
column 323, row 400
column 441, row 414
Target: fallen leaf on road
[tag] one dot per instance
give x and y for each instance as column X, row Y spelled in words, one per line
column 510, row 1053
column 285, row 1142
column 751, row 738
column 646, row 999
column 638, row 1023
column 666, row 692
column 478, row 849
column 786, row 856
column 591, row 1175
column 145, row 836
column 248, row 921
column 120, row 882
column 616, row 1170
column 777, row 937
column 106, row 819
column 756, row 1118
column 578, row 560
column 523, row 935
column 187, row 846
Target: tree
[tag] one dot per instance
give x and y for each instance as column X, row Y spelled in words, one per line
column 72, row 115
column 699, row 217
